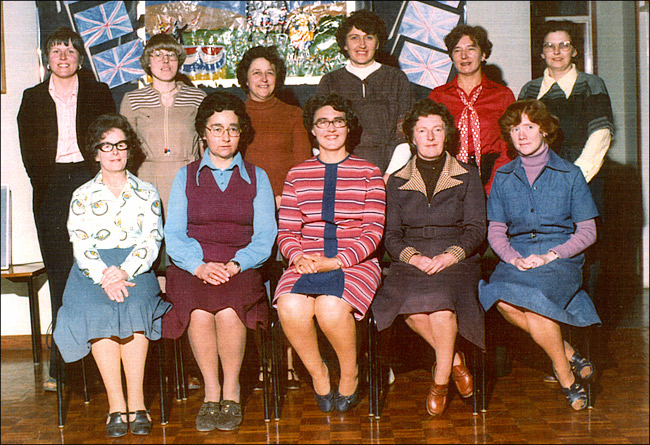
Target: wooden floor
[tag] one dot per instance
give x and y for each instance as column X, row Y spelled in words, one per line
column 521, row 407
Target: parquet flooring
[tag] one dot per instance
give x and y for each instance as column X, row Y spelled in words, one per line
column 521, row 408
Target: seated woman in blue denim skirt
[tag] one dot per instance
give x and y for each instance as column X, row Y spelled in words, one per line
column 111, row 303
column 541, row 219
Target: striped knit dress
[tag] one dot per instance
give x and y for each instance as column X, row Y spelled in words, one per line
column 169, row 140
column 333, row 210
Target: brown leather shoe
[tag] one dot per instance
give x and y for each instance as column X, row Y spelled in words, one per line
column 437, row 399
column 463, row 378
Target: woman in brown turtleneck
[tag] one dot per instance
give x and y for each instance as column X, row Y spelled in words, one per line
column 280, row 141
column 435, row 222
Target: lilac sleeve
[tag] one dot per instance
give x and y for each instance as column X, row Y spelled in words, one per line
column 583, row 237
column 498, row 238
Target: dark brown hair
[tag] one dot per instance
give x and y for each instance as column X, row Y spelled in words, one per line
column 221, row 101
column 65, row 36
column 106, row 122
column 537, row 113
column 364, row 20
column 427, row 107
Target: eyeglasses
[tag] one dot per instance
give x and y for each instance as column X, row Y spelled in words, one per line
column 563, row 46
column 338, row 122
column 217, row 132
column 159, row 55
column 107, row 147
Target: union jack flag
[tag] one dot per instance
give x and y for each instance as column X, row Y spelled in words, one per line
column 427, row 24
column 121, row 64
column 424, row 66
column 103, row 23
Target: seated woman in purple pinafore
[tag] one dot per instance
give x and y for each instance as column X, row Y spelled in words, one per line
column 220, row 229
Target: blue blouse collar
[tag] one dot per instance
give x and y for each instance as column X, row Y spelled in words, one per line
column 237, row 161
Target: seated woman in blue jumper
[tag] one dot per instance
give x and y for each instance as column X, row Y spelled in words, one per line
column 541, row 219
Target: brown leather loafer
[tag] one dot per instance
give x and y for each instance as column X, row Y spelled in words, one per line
column 462, row 378
column 437, row 399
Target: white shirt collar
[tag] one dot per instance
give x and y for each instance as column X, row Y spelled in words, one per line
column 566, row 83
column 363, row 73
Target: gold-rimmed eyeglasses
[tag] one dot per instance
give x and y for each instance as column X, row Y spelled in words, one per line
column 159, row 55
column 217, row 132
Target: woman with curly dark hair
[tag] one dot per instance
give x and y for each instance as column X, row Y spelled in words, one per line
column 219, row 231
column 111, row 304
column 331, row 222
column 380, row 94
column 435, row 223
column 541, row 219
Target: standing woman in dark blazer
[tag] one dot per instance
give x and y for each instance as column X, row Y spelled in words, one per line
column 435, row 223
column 52, row 123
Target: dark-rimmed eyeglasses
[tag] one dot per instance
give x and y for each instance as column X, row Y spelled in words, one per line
column 217, row 132
column 107, row 147
column 338, row 122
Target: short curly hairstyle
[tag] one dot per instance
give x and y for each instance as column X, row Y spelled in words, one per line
column 222, row 101
column 165, row 42
column 537, row 113
column 478, row 34
column 427, row 107
column 98, row 129
column 339, row 103
column 364, row 20
column 269, row 53
column 65, row 36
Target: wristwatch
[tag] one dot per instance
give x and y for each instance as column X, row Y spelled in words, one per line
column 237, row 265
column 339, row 262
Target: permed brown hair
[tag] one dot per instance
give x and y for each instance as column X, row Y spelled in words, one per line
column 269, row 53
column 537, row 113
column 427, row 107
column 221, row 101
column 478, row 34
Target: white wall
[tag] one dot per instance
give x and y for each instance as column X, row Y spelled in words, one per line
column 508, row 27
column 21, row 71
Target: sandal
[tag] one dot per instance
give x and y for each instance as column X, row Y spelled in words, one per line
column 579, row 363
column 574, row 393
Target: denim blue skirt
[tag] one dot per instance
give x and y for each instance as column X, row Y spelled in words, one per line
column 88, row 314
column 552, row 290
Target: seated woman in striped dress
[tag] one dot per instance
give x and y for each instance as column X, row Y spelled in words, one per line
column 331, row 221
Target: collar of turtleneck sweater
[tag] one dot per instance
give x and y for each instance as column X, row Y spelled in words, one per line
column 255, row 105
column 363, row 73
column 535, row 163
column 430, row 172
